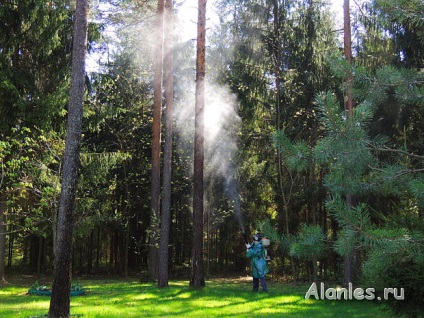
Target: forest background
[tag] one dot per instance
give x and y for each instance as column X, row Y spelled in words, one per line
column 340, row 194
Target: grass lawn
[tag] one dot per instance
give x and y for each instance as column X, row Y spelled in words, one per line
column 220, row 298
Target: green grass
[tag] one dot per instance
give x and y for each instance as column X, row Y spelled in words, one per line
column 220, row 298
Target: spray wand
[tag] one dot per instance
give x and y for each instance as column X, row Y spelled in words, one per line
column 245, row 238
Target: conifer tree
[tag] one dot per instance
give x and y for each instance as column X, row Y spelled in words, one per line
column 60, row 301
column 357, row 164
column 167, row 161
column 197, row 278
column 152, row 265
column 34, row 64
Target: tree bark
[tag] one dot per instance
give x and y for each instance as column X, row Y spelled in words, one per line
column 167, row 160
column 10, row 247
column 126, row 203
column 197, row 269
column 40, row 255
column 152, row 266
column 60, row 301
column 347, row 39
column 54, row 214
column 2, row 238
column 348, row 259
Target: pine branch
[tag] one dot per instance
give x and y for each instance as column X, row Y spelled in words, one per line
column 282, row 241
column 399, row 173
column 387, row 149
column 326, row 101
column 357, row 220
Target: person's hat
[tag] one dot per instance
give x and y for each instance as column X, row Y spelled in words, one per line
column 257, row 237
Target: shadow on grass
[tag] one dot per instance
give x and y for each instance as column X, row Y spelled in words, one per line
column 118, row 298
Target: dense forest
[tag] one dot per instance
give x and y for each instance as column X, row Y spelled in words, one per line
column 320, row 151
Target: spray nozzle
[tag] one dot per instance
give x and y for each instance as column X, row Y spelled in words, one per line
column 245, row 238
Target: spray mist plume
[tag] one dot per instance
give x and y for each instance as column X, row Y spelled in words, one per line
column 222, row 124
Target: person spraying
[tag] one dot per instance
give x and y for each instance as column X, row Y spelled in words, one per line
column 256, row 252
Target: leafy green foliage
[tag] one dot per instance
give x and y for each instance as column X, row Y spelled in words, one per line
column 359, row 165
column 309, row 243
column 34, row 63
column 279, row 65
column 406, row 13
column 296, row 155
column 403, row 84
column 345, row 148
column 398, row 263
column 30, row 165
column 416, row 186
column 358, row 230
column 279, row 240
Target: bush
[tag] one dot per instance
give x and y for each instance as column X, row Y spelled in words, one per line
column 399, row 270
column 407, row 274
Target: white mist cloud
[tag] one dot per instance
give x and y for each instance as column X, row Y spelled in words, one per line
column 222, row 124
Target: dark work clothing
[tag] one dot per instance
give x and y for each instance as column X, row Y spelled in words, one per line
column 256, row 284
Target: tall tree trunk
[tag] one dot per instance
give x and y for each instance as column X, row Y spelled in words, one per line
column 98, row 246
column 127, row 246
column 126, row 203
column 54, row 213
column 277, row 59
column 90, row 253
column 60, row 301
column 40, row 256
column 2, row 237
column 10, row 247
column 167, row 160
column 348, row 259
column 347, row 38
column 152, row 261
column 197, row 269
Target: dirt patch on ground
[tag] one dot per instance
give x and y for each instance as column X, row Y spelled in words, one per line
column 233, row 279
column 27, row 280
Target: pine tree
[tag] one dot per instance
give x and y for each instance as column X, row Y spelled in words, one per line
column 197, row 278
column 167, row 160
column 153, row 258
column 358, row 164
column 60, row 301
